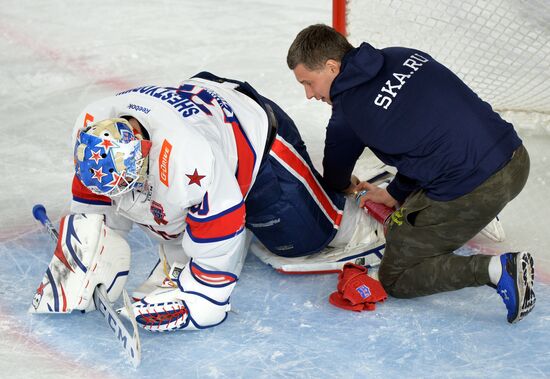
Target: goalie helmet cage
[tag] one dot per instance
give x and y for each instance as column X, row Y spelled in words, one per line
column 500, row 48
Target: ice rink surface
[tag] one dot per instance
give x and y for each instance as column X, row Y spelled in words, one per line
column 57, row 56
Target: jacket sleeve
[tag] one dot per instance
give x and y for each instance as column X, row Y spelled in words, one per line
column 342, row 149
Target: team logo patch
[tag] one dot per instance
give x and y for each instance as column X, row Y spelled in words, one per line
column 163, row 162
column 158, row 213
column 363, row 291
column 195, row 178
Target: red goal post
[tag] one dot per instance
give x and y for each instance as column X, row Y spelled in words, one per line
column 339, row 15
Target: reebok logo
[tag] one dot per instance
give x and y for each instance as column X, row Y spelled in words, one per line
column 163, row 162
column 139, row 108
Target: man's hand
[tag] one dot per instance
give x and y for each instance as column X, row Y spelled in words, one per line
column 375, row 194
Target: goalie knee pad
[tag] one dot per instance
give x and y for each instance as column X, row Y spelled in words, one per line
column 356, row 228
column 88, row 254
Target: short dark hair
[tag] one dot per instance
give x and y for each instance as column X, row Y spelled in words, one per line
column 316, row 44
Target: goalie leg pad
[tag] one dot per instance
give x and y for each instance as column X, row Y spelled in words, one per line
column 357, row 229
column 88, row 253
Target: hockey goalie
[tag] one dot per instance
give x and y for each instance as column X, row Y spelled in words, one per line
column 200, row 168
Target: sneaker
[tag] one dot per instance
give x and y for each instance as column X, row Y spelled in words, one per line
column 516, row 284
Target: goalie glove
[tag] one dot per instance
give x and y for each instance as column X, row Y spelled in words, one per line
column 88, row 253
column 171, row 308
column 356, row 290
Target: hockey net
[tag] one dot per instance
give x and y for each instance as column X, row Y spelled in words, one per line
column 500, row 48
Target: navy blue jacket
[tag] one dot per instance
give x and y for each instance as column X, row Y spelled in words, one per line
column 417, row 116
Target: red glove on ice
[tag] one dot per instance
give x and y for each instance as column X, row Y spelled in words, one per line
column 356, row 290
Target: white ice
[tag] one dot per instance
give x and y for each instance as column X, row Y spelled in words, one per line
column 57, row 56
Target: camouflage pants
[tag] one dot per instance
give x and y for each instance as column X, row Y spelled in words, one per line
column 419, row 258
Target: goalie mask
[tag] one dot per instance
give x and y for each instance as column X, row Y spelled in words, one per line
column 110, row 159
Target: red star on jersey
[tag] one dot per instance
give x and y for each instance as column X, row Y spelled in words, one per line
column 195, row 178
column 98, row 174
column 96, row 156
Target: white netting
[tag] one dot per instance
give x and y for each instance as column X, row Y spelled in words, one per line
column 500, row 48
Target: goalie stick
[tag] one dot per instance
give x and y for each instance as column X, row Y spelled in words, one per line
column 130, row 341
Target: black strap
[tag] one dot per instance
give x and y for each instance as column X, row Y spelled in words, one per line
column 273, row 125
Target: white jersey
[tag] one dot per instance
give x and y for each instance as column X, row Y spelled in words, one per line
column 207, row 145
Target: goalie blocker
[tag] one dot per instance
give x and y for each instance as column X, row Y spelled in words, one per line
column 88, row 254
